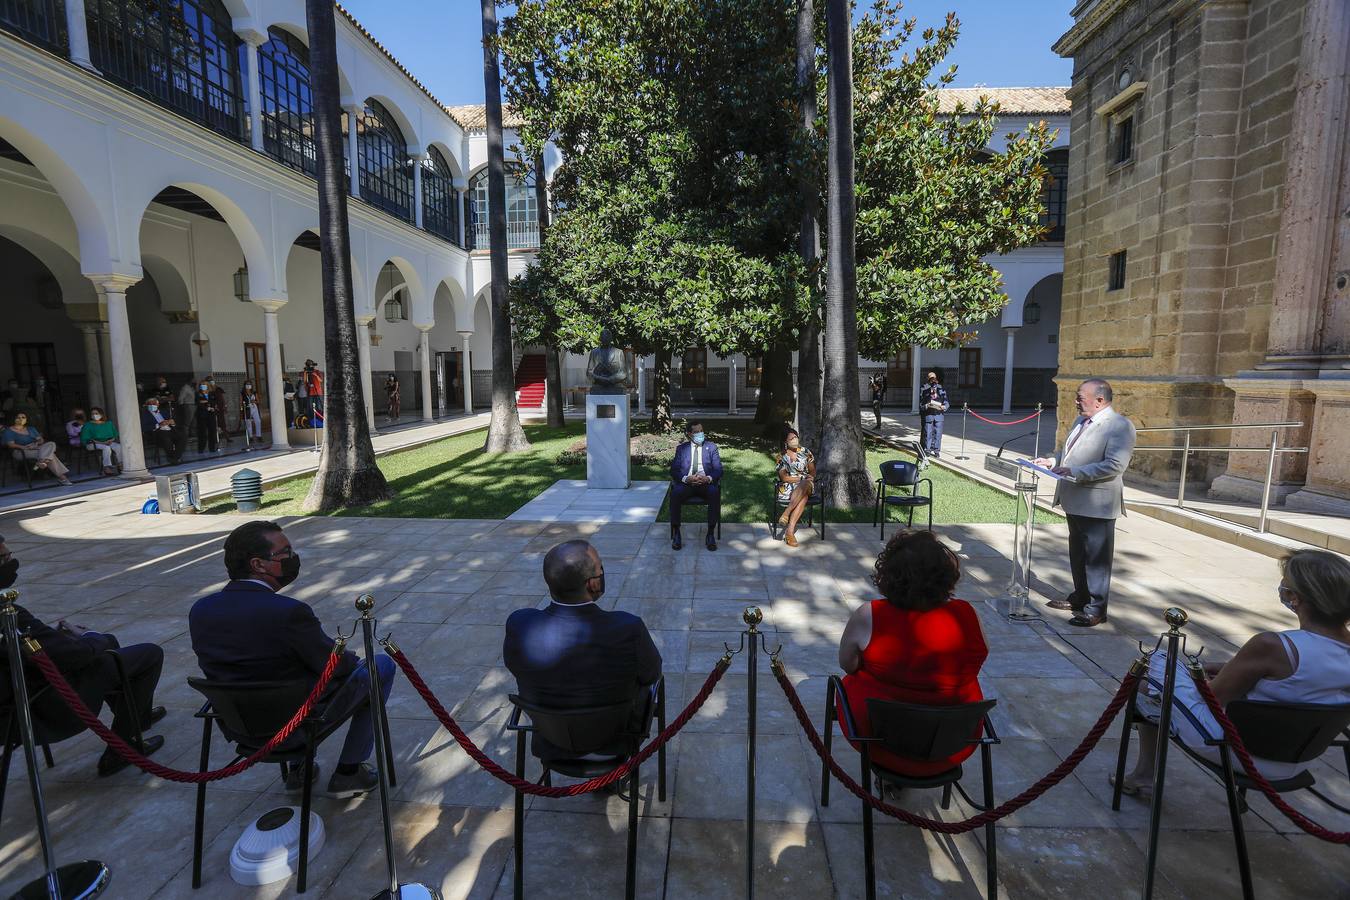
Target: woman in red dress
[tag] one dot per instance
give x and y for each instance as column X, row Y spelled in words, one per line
column 917, row 645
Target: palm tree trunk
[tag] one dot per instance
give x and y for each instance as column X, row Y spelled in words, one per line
column 808, row 349
column 843, row 465
column 552, row 358
column 504, row 431
column 661, row 419
column 348, row 474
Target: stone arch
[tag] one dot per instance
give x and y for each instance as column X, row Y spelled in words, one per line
column 411, row 133
column 65, row 268
column 174, row 295
column 451, row 158
column 301, row 31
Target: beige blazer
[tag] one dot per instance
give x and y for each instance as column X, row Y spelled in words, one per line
column 1097, row 461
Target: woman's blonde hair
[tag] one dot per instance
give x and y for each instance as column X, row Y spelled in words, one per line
column 1322, row 580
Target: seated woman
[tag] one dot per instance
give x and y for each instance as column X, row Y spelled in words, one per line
column 796, row 483
column 74, row 427
column 101, row 434
column 1309, row 664
column 917, row 645
column 26, row 443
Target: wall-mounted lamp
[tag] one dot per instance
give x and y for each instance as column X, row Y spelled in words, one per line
column 201, row 341
column 241, row 284
column 1031, row 313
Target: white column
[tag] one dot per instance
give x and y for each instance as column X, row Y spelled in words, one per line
column 252, row 41
column 77, row 28
column 93, row 368
column 467, row 377
column 363, row 348
column 417, row 160
column 276, row 398
column 916, row 375
column 128, row 406
column 353, row 147
column 642, row 384
column 731, row 385
column 462, row 215
column 426, row 371
column 1008, row 370
column 106, row 360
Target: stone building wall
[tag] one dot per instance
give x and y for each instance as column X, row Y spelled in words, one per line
column 1196, row 210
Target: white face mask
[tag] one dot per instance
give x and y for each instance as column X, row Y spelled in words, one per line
column 97, row 417
column 248, row 387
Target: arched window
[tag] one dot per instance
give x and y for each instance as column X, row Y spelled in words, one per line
column 1054, row 195
column 386, row 173
column 287, row 104
column 440, row 212
column 522, row 211
column 179, row 53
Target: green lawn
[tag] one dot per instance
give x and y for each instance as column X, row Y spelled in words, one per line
column 453, row 479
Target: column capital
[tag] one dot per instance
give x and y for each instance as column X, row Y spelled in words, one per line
column 252, row 36
column 459, row 184
column 1011, row 330
column 269, row 304
column 419, row 156
column 353, row 106
column 465, row 334
column 424, row 327
column 365, row 318
column 113, row 283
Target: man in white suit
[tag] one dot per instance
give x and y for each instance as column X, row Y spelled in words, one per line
column 1095, row 456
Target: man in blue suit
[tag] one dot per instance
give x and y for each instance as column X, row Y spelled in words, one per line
column 696, row 472
column 572, row 654
column 250, row 632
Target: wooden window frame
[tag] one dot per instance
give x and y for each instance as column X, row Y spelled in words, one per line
column 696, row 377
column 963, row 354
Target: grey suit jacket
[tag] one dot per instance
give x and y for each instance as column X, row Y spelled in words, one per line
column 1097, row 461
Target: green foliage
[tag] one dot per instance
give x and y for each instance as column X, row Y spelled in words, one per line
column 676, row 197
column 932, row 203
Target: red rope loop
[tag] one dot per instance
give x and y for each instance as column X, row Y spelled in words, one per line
column 1235, row 741
column 992, row 422
column 144, row 763
column 1054, row 777
column 528, row 787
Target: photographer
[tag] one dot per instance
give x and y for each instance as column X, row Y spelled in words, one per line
column 878, row 385
column 933, row 406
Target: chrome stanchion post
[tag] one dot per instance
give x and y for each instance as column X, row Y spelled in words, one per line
column 965, row 417
column 1176, row 642
column 411, row 890
column 83, row 879
column 1036, row 447
column 1185, row 461
column 752, row 617
column 1270, row 476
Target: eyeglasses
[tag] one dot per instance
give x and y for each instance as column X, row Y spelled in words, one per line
column 281, row 554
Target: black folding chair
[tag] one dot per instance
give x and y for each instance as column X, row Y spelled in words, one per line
column 918, row 732
column 21, row 466
column 53, row 722
column 904, row 478
column 249, row 713
column 580, row 733
column 1281, row 732
column 816, row 500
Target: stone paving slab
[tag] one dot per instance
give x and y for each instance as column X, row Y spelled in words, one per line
column 570, row 500
column 444, row 589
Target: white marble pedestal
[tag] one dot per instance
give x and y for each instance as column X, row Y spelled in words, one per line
column 608, row 456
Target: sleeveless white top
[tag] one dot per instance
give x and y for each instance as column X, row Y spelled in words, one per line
column 1321, row 675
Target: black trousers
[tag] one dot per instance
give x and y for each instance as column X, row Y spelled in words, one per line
column 166, row 441
column 98, row 684
column 1092, row 544
column 680, row 492
column 206, row 431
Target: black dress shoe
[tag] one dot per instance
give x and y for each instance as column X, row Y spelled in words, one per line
column 110, row 763
column 710, row 543
column 1085, row 621
column 1065, row 604
column 156, row 713
column 676, row 542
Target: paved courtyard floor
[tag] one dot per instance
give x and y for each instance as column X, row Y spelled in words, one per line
column 444, row 589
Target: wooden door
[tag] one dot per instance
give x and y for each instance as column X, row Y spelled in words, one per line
column 255, row 371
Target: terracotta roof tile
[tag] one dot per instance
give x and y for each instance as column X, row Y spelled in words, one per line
column 473, row 117
column 1012, row 101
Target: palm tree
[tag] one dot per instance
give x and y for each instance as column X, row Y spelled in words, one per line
column 504, row 432
column 348, row 474
column 842, row 461
column 808, row 349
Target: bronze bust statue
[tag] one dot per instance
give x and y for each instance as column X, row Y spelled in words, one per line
column 606, row 368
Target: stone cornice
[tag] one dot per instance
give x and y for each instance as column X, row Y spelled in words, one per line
column 1087, row 26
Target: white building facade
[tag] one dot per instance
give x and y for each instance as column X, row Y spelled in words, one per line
column 159, row 215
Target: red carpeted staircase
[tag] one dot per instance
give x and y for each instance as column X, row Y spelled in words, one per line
column 530, row 375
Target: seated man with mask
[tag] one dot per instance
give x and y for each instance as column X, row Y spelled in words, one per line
column 696, row 471
column 250, row 632
column 572, row 654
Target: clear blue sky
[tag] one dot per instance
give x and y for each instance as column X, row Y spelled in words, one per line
column 1003, row 42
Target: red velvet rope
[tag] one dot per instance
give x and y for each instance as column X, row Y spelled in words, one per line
column 1235, row 742
column 144, row 763
column 538, row 790
column 1058, row 774
column 992, row 422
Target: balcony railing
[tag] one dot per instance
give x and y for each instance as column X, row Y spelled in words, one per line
column 41, row 22
column 519, row 235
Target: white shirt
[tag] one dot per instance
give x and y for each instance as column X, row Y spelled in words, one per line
column 159, row 420
column 695, row 460
column 1097, row 417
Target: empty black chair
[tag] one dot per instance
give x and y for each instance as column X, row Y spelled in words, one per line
column 581, row 733
column 1293, row 733
column 904, row 478
column 21, row 466
column 249, row 713
column 776, row 509
column 919, row 732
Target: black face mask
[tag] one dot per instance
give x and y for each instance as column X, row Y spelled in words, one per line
column 9, row 573
column 601, row 576
column 290, row 570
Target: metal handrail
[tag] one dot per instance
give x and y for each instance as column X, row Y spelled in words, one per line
column 1272, row 451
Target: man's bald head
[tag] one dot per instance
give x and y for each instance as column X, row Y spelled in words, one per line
column 567, row 569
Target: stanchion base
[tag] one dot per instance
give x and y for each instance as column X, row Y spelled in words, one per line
column 961, row 457
column 410, row 891
column 79, row 880
column 1014, row 608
